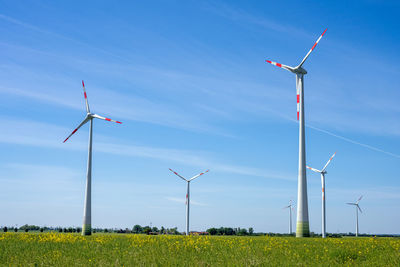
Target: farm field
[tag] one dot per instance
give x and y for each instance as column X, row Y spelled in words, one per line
column 58, row 249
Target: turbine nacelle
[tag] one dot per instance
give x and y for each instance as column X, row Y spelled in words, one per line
column 299, row 70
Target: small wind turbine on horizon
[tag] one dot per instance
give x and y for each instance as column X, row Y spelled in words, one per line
column 303, row 226
column 357, row 208
column 87, row 211
column 290, row 207
column 188, row 194
column 323, row 172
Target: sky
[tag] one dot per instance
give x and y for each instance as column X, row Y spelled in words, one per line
column 189, row 81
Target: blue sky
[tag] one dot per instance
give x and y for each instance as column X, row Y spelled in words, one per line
column 189, row 81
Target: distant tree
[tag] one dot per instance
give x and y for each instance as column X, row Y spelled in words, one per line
column 251, row 230
column 212, row 231
column 26, row 230
column 30, row 227
column 229, row 231
column 5, row 229
column 146, row 230
column 41, row 229
column 106, row 230
column 137, row 229
column 243, row 232
column 162, row 230
column 15, row 229
column 154, row 229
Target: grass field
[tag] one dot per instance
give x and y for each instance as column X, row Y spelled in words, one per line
column 58, row 249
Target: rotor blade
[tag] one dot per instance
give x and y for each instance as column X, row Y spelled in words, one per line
column 359, row 208
column 103, row 118
column 314, row 170
column 80, row 125
column 194, row 177
column 351, row 203
column 312, row 48
column 329, row 161
column 178, row 175
column 86, row 100
column 280, row 65
column 286, row 207
column 358, row 200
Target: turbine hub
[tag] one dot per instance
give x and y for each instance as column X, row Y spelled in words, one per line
column 299, row 70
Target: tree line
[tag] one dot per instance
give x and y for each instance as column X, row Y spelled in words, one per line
column 148, row 230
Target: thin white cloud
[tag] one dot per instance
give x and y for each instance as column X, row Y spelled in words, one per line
column 354, row 142
column 240, row 15
column 128, row 107
column 30, row 133
column 34, row 28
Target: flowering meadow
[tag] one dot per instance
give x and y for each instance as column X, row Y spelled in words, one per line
column 60, row 249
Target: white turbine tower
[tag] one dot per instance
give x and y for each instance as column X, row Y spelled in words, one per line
column 323, row 172
column 290, row 216
column 87, row 211
column 357, row 208
column 188, row 195
column 303, row 227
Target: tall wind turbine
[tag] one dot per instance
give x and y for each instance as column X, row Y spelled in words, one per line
column 188, row 195
column 290, row 215
column 323, row 172
column 303, row 227
column 357, row 208
column 87, row 210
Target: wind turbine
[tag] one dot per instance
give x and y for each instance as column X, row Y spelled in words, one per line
column 290, row 215
column 323, row 172
column 188, row 195
column 87, row 210
column 357, row 208
column 303, row 227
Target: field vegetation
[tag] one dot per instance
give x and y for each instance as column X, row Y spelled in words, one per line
column 70, row 249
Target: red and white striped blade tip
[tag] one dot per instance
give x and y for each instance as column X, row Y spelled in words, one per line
column 74, row 131
column 107, row 119
column 173, row 171
column 274, row 63
column 312, row 48
column 204, row 172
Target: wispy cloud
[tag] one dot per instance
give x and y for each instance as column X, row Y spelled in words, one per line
column 34, row 28
column 369, row 193
column 240, row 15
column 38, row 134
column 37, row 181
column 229, row 99
column 123, row 107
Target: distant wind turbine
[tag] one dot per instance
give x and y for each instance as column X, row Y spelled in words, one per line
column 357, row 208
column 290, row 207
column 303, row 226
column 323, row 172
column 87, row 211
column 188, row 195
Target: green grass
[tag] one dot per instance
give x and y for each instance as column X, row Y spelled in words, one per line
column 56, row 249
